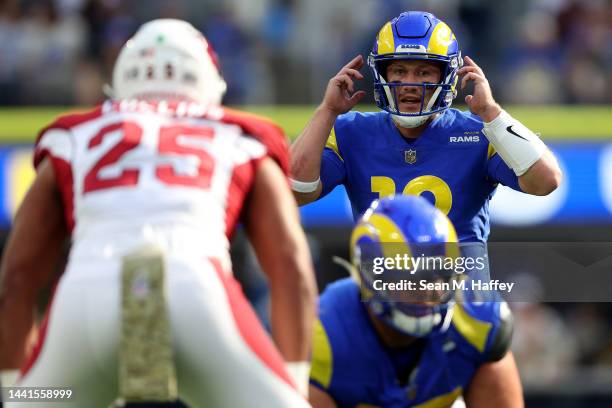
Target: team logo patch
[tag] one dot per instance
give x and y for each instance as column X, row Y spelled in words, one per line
column 410, row 156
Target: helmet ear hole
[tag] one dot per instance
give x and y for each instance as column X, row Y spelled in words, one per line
column 131, row 73
column 382, row 67
column 189, row 78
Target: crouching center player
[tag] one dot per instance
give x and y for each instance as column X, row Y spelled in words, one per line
column 376, row 348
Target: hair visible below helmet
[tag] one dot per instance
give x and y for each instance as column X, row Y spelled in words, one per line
column 415, row 35
column 168, row 59
column 395, row 226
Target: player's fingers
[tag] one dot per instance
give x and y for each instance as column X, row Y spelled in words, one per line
column 468, row 99
column 470, row 62
column 470, row 76
column 355, row 63
column 464, row 81
column 357, row 96
column 465, row 69
column 352, row 72
column 345, row 81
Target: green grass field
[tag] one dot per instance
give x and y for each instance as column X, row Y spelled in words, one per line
column 562, row 122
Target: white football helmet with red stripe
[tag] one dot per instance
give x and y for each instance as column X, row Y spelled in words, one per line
column 168, row 59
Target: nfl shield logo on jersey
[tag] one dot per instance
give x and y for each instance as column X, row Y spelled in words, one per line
column 410, row 156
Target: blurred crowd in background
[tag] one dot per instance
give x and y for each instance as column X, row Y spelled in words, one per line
column 284, row 51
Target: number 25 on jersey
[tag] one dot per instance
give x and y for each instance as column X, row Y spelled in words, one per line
column 168, row 145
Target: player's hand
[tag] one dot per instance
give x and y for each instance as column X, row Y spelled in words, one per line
column 340, row 96
column 481, row 102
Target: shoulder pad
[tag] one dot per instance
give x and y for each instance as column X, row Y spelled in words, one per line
column 354, row 118
column 63, row 122
column 503, row 336
column 331, row 340
column 466, row 119
column 355, row 127
column 70, row 119
column 321, row 362
column 487, row 326
column 265, row 131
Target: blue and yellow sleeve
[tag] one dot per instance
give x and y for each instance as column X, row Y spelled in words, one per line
column 333, row 172
column 487, row 327
column 321, row 363
column 499, row 172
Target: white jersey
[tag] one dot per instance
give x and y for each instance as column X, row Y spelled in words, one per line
column 134, row 172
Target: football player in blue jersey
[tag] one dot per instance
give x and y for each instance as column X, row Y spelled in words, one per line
column 385, row 348
column 417, row 144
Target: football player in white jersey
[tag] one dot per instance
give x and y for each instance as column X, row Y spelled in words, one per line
column 149, row 187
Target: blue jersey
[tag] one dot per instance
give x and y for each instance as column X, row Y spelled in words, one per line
column 352, row 365
column 451, row 164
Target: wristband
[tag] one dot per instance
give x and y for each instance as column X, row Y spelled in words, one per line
column 305, row 186
column 299, row 371
column 518, row 146
column 8, row 378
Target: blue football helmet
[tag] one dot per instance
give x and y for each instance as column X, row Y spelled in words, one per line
column 397, row 226
column 415, row 35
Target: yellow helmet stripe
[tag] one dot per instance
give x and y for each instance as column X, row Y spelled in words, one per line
column 386, row 43
column 441, row 38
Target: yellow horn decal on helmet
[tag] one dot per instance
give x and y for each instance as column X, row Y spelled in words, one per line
column 361, row 230
column 384, row 231
column 386, row 44
column 440, row 39
column 391, row 237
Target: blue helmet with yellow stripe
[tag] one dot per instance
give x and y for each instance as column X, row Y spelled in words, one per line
column 404, row 227
column 415, row 35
